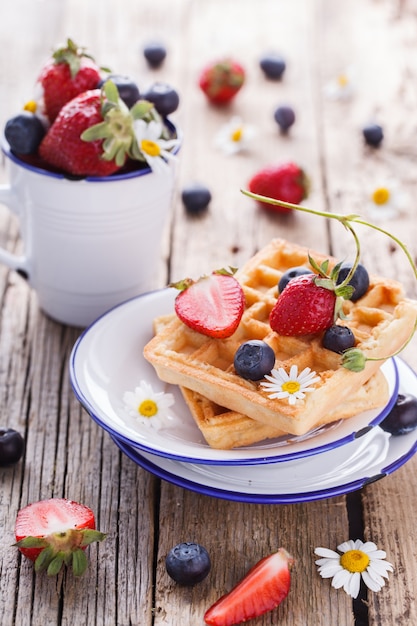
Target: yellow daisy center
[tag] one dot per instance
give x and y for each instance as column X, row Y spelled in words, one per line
column 150, row 147
column 342, row 80
column 148, row 408
column 237, row 134
column 30, row 106
column 381, row 196
column 291, row 386
column 354, row 561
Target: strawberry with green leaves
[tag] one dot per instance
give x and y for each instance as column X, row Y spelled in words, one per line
column 310, row 303
column 212, row 305
column 94, row 133
column 221, row 81
column 56, row 532
column 68, row 73
column 286, row 182
column 263, row 588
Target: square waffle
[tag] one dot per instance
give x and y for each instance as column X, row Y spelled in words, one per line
column 382, row 321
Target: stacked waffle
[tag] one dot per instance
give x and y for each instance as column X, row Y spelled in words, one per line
column 232, row 411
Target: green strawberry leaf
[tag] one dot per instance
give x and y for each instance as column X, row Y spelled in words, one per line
column 79, row 562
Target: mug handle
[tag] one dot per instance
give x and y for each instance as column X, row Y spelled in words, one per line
column 15, row 262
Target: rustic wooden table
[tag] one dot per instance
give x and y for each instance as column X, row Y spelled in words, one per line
column 67, row 454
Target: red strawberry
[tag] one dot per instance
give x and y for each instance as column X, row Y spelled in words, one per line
column 68, row 73
column 303, row 307
column 263, row 588
column 286, row 182
column 222, row 80
column 92, row 135
column 213, row 305
column 55, row 532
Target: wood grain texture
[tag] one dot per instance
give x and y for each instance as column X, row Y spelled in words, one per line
column 67, row 454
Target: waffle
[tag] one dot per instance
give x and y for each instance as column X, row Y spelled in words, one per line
column 382, row 321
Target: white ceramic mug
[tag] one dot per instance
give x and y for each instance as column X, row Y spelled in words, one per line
column 88, row 244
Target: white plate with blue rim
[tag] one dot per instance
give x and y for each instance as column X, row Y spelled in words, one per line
column 107, row 360
column 334, row 472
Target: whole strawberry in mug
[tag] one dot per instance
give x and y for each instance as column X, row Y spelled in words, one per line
column 287, row 182
column 69, row 72
column 220, row 81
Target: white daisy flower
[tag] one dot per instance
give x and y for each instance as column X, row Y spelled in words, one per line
column 342, row 87
column 358, row 561
column 149, row 407
column 386, row 201
column 293, row 386
column 234, row 136
column 154, row 148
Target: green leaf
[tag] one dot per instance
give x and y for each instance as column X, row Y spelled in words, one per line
column 327, row 283
column 98, row 131
column 90, row 536
column 56, row 564
column 79, row 562
column 31, row 542
column 140, row 109
column 345, row 291
column 44, row 558
column 111, row 91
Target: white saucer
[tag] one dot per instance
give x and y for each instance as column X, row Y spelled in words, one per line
column 331, row 473
column 107, row 361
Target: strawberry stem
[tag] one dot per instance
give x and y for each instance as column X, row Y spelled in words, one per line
column 353, row 358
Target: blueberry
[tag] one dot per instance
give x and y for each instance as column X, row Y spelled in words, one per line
column 24, row 132
column 402, row 418
column 359, row 280
column 373, row 135
column 126, row 86
column 338, row 338
column 293, row 272
column 284, row 117
column 273, row 66
column 253, row 359
column 11, row 446
column 164, row 98
column 154, row 53
column 196, row 198
column 188, row 563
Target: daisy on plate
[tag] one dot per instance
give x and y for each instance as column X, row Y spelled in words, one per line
column 293, row 386
column 357, row 561
column 235, row 136
column 155, row 149
column 149, row 407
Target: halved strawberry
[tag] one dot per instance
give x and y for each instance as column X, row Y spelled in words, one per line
column 303, row 307
column 212, row 305
column 55, row 532
column 263, row 588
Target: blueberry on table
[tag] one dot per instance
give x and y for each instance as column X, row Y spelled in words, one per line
column 188, row 563
column 24, row 132
column 293, row 272
column 273, row 66
column 195, row 198
column 11, row 446
column 126, row 86
column 155, row 54
column 359, row 280
column 338, row 338
column 164, row 97
column 253, row 359
column 373, row 135
column 402, row 418
column 284, row 117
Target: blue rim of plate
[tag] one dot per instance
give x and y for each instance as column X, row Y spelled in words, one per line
column 250, row 460
column 287, row 498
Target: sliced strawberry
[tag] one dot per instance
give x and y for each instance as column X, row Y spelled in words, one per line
column 220, row 81
column 286, row 182
column 263, row 588
column 303, row 307
column 213, row 305
column 56, row 531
